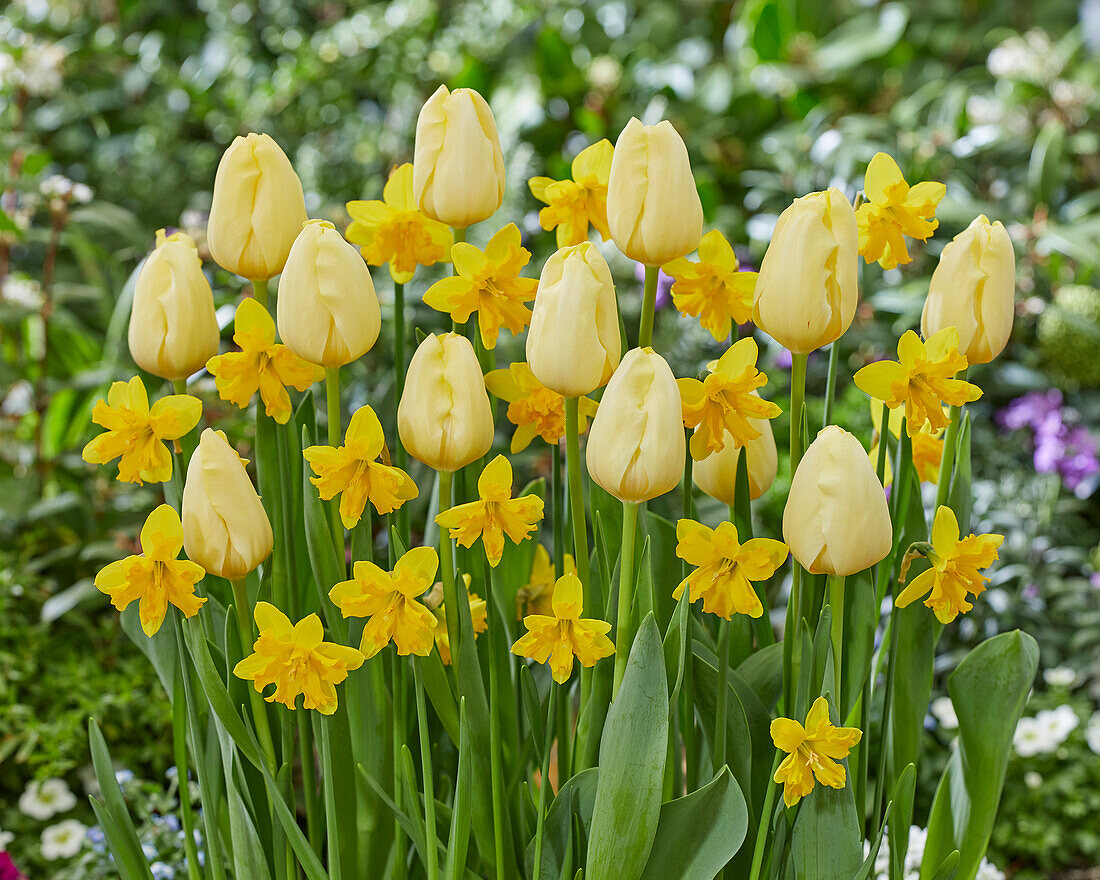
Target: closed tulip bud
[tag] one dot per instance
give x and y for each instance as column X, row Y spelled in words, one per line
column 225, row 528
column 636, row 444
column 444, row 417
column 173, row 331
column 717, row 473
column 974, row 290
column 257, row 210
column 327, row 311
column 458, row 168
column 807, row 288
column 653, row 208
column 836, row 520
column 573, row 345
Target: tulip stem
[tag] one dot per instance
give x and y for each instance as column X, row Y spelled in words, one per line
column 426, row 768
column 798, row 397
column 836, row 602
column 649, row 306
column 259, row 709
column 259, row 291
column 722, row 698
column 795, row 609
column 496, row 773
column 765, row 821
column 399, row 367
column 335, row 432
column 576, row 494
column 623, row 634
column 947, row 461
column 830, row 383
column 544, row 781
column 446, row 563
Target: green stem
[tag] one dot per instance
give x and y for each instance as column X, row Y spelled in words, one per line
column 649, row 306
column 795, row 610
column 329, row 776
column 557, row 503
column 722, row 697
column 544, row 781
column 447, row 564
column 259, row 291
column 335, row 436
column 426, row 769
column 397, row 684
column 836, row 601
column 947, row 462
column 259, row 708
column 576, row 494
column 830, row 383
column 179, row 738
column 798, row 398
column 623, row 631
column 459, row 236
column 765, row 821
column 496, row 772
column 309, row 781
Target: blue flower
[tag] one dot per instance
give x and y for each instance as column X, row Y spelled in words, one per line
column 161, row 871
column 123, row 776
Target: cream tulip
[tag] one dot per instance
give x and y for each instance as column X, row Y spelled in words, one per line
column 573, row 345
column 717, row 473
column 458, row 168
column 257, row 210
column 807, row 288
column 636, row 444
column 653, row 207
column 973, row 289
column 225, row 528
column 444, row 418
column 327, row 310
column 173, row 330
column 836, row 520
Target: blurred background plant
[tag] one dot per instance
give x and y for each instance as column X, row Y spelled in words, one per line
column 113, row 114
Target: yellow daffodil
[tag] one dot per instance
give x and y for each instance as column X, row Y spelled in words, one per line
column 577, row 203
column 537, row 595
column 927, row 446
column 812, row 751
column 352, row 472
column 390, row 601
column 495, row 514
column 157, row 576
column 394, row 231
column 712, row 288
column 920, row 379
column 488, row 283
column 725, row 568
column 534, row 409
column 479, row 613
column 724, row 401
column 955, row 570
column 560, row 636
column 297, row 660
column 135, row 432
column 893, row 210
column 262, row 364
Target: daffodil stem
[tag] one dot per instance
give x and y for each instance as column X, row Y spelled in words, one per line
column 259, row 291
column 447, row 565
column 830, row 383
column 426, row 769
column 399, row 691
column 335, row 435
column 496, row 772
column 576, row 494
column 544, row 780
column 259, row 710
column 623, row 629
column 649, row 306
column 557, row 494
column 765, row 822
column 836, row 601
column 947, row 462
column 329, row 775
column 722, row 697
column 309, row 781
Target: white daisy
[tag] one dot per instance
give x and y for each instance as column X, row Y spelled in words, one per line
column 47, row 798
column 63, row 840
column 943, row 710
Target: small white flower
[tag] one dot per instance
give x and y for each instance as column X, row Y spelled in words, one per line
column 41, row 65
column 989, row 871
column 41, row 800
column 1060, row 676
column 1060, row 722
column 1092, row 732
column 6, row 837
column 1032, row 779
column 82, row 193
column 63, row 840
column 23, row 291
column 943, row 710
column 1031, row 738
column 56, row 186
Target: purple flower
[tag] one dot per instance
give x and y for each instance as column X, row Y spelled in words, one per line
column 783, row 359
column 1031, row 410
column 664, row 284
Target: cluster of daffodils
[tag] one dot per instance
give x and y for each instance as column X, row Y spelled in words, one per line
column 648, row 431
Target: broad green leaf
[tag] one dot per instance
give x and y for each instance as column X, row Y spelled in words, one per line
column 903, row 816
column 950, row 866
column 115, row 819
column 989, row 690
column 763, row 672
column 912, row 656
column 458, row 840
column 827, row 842
column 697, row 835
column 632, row 765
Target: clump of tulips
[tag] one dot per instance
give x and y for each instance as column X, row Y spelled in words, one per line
column 553, row 681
